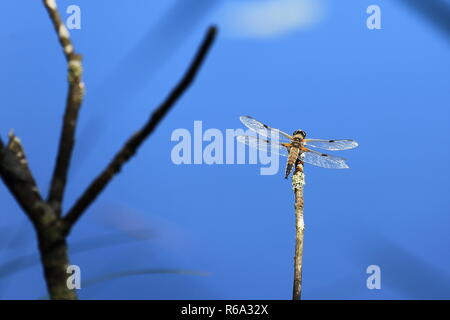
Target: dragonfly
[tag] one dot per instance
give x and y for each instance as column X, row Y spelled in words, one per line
column 295, row 147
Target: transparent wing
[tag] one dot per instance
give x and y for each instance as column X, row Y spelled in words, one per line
column 262, row 129
column 264, row 145
column 331, row 144
column 323, row 160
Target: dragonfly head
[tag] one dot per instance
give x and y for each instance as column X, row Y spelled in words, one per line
column 300, row 133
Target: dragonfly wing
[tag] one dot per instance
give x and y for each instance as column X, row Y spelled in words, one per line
column 262, row 129
column 332, row 145
column 264, row 145
column 323, row 160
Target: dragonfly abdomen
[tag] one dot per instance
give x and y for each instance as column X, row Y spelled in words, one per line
column 294, row 152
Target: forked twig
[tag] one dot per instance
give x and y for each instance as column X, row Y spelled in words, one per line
column 51, row 228
column 298, row 182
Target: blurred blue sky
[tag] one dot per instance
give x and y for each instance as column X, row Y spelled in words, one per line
column 328, row 74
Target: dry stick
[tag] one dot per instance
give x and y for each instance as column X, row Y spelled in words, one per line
column 298, row 182
column 136, row 140
column 73, row 103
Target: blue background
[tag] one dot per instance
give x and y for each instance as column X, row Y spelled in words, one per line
column 388, row 89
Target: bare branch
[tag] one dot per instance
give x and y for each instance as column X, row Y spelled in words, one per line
column 60, row 28
column 133, row 143
column 298, row 181
column 73, row 103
